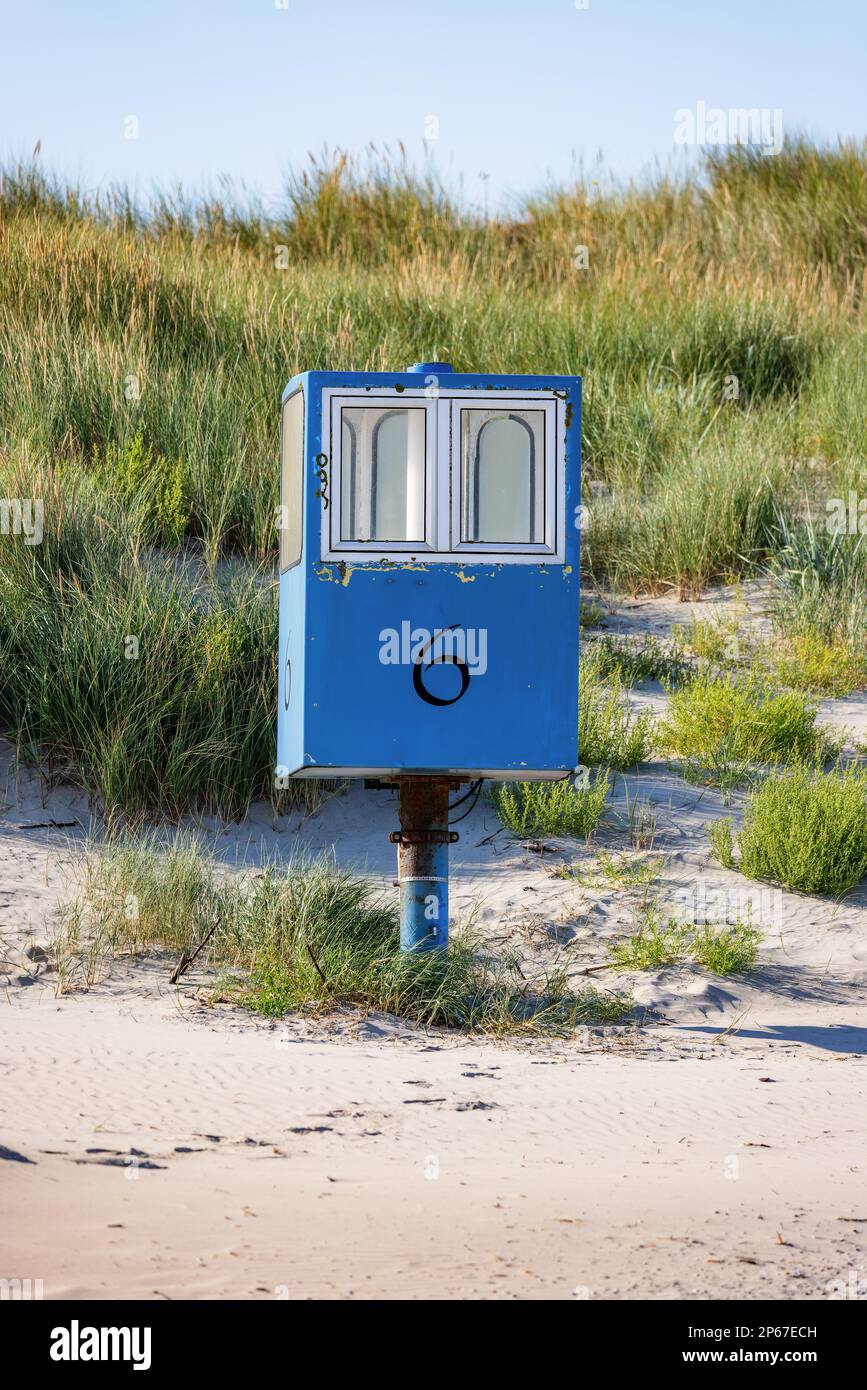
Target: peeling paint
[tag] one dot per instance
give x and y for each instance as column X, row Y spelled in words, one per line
column 465, row 578
column 345, row 571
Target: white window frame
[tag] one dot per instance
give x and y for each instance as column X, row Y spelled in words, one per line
column 333, row 403
column 442, row 543
column 501, row 404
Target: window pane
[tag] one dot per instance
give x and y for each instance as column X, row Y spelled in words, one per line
column 382, row 464
column 502, row 476
column 348, row 474
column 291, row 480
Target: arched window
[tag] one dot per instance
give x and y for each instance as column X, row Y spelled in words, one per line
column 502, row 477
column 388, row 477
column 382, row 474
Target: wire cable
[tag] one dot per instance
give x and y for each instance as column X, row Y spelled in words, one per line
column 471, row 807
column 461, row 799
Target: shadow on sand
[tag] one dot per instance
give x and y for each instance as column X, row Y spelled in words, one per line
column 837, row 1037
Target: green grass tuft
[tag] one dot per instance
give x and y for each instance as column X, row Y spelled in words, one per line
column 302, row 938
column 551, row 808
column 633, row 659
column 610, row 733
column 654, row 945
column 141, row 680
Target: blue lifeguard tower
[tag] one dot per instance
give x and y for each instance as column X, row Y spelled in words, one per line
column 429, row 594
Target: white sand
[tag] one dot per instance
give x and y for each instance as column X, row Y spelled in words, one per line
column 717, row 1150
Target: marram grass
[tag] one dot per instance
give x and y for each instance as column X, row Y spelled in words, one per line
column 719, row 328
column 132, row 674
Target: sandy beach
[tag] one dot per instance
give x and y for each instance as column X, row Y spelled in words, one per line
column 712, row 1146
column 191, row 1157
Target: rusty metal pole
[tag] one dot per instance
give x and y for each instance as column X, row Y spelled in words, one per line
column 423, row 862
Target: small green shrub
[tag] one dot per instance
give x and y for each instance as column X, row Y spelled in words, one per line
column 150, row 487
column 722, row 842
column 551, row 808
column 748, row 718
column 808, row 662
column 714, row 641
column 591, row 614
column 654, row 945
column 819, row 583
column 726, row 950
column 802, row 828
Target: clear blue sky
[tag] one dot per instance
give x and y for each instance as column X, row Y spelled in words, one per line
column 521, row 88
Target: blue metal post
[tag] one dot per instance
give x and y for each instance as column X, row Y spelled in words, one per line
column 423, row 863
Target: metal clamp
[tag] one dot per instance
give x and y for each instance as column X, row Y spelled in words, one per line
column 424, row 837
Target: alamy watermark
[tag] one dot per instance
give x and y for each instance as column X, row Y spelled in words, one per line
column 419, row 646
column 706, row 904
column 853, row 1288
column 846, row 516
column 77, row 1343
column 21, row 1290
column 760, row 127
column 22, row 516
